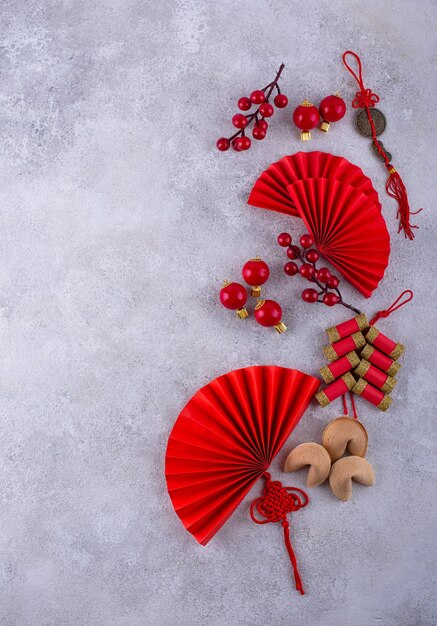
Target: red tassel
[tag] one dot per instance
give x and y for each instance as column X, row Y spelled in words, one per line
column 365, row 99
column 396, row 189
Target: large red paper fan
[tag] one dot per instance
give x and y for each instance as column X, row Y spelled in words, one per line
column 270, row 190
column 225, row 439
column 348, row 229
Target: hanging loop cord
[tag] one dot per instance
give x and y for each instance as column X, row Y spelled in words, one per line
column 273, row 506
column 366, row 99
column 354, row 408
column 397, row 304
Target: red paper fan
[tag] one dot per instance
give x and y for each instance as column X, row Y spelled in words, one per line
column 348, row 229
column 270, row 190
column 226, row 437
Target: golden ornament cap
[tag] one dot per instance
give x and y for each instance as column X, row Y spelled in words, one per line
column 306, row 103
column 256, row 292
column 325, row 126
column 305, row 135
column 259, row 304
column 242, row 313
column 280, row 328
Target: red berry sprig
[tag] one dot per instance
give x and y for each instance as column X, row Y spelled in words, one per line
column 328, row 291
column 260, row 98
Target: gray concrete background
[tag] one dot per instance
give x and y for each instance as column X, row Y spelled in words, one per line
column 118, row 221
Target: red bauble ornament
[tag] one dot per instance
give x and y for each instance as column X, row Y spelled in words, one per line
column 330, row 299
column 269, row 313
column 234, row 296
column 284, row 239
column 310, row 295
column 332, row 109
column 306, row 117
column 256, row 272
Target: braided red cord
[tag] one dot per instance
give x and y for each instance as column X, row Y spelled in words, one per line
column 395, row 188
column 397, row 304
column 273, row 506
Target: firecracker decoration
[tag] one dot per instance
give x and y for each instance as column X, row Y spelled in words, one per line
column 234, row 296
column 371, row 123
column 261, row 99
column 327, row 291
column 332, row 109
column 342, row 435
column 373, row 376
column 306, row 117
column 255, row 272
column 268, row 313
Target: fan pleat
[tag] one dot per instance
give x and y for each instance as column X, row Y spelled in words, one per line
column 226, row 437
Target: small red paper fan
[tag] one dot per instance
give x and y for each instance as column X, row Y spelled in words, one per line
column 225, row 439
column 348, row 229
column 269, row 191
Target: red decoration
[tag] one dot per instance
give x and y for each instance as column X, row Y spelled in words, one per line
column 234, row 296
column 366, row 99
column 270, row 190
column 321, row 277
column 347, row 227
column 269, row 313
column 274, row 506
column 284, row 240
column 259, row 98
column 225, row 439
column 256, row 272
column 332, row 109
column 306, row 117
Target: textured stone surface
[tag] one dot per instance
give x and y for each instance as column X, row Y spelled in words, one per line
column 118, row 221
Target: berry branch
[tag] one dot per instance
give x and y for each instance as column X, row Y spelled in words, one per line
column 329, row 293
column 239, row 141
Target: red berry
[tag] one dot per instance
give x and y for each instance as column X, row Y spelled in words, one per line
column 239, row 120
column 284, row 239
column 262, row 123
column 333, row 282
column 258, row 133
column 233, row 296
column 255, row 272
column 235, row 145
column 266, row 109
column 323, row 274
column 312, row 255
column 244, row 104
column 330, row 299
column 280, row 101
column 268, row 313
column 223, row 144
column 306, row 241
column 243, row 143
column 293, row 252
column 310, row 295
column 291, row 269
column 306, row 270
column 257, row 96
